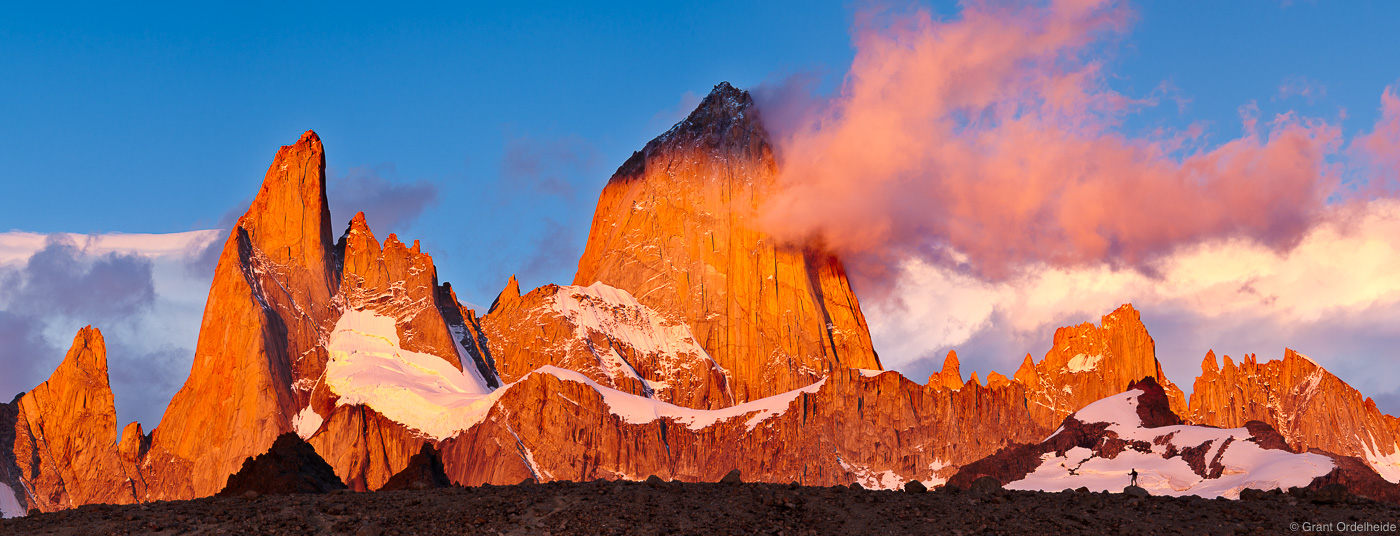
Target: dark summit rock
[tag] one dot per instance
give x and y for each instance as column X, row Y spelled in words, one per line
column 1154, row 408
column 1266, row 436
column 290, row 466
column 424, row 471
column 726, row 121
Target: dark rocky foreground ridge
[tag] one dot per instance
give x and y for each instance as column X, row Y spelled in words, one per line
column 624, row 507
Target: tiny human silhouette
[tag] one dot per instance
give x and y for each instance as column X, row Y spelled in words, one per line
column 1134, row 475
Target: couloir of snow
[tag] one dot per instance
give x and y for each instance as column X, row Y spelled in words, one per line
column 422, row 391
column 1246, row 464
column 9, row 505
column 1387, row 465
column 602, row 308
column 635, row 409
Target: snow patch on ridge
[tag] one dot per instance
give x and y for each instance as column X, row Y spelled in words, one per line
column 870, row 479
column 1246, row 464
column 934, row 468
column 1084, row 362
column 635, row 409
column 422, row 391
column 602, row 308
column 9, row 504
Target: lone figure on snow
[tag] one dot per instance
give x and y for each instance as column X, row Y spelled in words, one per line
column 1134, row 475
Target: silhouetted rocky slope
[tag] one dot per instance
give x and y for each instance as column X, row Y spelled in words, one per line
column 594, row 508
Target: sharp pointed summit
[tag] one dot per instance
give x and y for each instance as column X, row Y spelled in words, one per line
column 675, row 228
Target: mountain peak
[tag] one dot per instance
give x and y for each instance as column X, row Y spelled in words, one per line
column 508, row 295
column 951, row 375
column 88, row 354
column 725, row 123
column 289, row 220
column 1209, row 364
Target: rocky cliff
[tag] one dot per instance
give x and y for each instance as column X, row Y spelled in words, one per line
column 1311, row 407
column 610, row 337
column 1088, row 362
column 60, row 439
column 879, row 430
column 1134, row 438
column 280, row 295
column 259, row 348
column 674, row 228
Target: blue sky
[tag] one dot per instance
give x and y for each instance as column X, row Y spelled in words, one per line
column 163, row 118
column 504, row 120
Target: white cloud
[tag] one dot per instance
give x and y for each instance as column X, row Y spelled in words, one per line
column 150, row 339
column 1334, row 296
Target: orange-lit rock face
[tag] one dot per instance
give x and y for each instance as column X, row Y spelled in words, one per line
column 280, row 287
column 608, row 336
column 363, row 447
column 268, row 310
column 1311, row 407
column 399, row 282
column 880, row 431
column 63, row 436
column 1088, row 362
column 951, row 375
column 674, row 228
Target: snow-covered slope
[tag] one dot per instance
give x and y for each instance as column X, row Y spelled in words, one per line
column 604, row 309
column 1387, row 465
column 1226, row 460
column 368, row 366
column 608, row 336
column 9, row 505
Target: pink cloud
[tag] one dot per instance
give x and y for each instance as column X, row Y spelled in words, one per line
column 1378, row 153
column 1301, row 86
column 990, row 141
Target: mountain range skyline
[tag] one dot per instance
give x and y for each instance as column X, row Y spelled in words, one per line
column 1222, row 295
column 691, row 343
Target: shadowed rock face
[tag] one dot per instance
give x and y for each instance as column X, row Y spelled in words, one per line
column 1358, row 477
column 290, row 466
column 424, row 471
column 674, row 228
column 1205, row 450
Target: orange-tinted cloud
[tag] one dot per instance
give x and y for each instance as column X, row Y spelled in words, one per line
column 990, row 141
